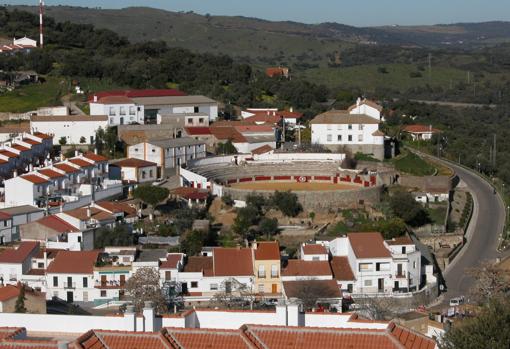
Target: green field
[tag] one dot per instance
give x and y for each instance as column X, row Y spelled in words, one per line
column 437, row 214
column 414, row 165
column 398, row 76
column 31, row 97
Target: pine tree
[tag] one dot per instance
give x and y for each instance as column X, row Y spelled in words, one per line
column 19, row 307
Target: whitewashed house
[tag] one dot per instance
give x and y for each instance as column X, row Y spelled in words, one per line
column 137, row 170
column 314, row 252
column 17, row 261
column 340, row 131
column 367, row 107
column 120, row 110
column 75, row 129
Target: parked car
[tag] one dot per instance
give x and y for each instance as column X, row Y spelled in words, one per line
column 456, row 301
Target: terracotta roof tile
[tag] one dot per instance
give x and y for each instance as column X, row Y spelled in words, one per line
column 197, row 264
column 137, row 93
column 115, row 100
column 31, row 141
column 20, row 254
column 267, row 250
column 117, row 207
column 4, row 216
column 74, row 262
column 29, row 344
column 314, row 249
column 66, row 167
column 204, row 338
column 101, row 339
column 80, row 162
column 172, row 261
column 57, row 224
column 34, row 179
column 343, row 117
column 42, row 135
column 135, row 163
column 197, row 131
column 50, row 173
column 8, row 154
column 95, row 213
column 367, row 102
column 321, row 288
column 95, row 157
column 8, row 292
column 297, row 267
column 19, row 147
column 368, row 245
column 232, row 261
column 262, row 150
column 341, row 269
column 401, row 240
column 10, row 332
column 227, row 133
column 420, row 129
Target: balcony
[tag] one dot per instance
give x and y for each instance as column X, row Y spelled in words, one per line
column 111, row 284
column 400, row 275
column 261, row 275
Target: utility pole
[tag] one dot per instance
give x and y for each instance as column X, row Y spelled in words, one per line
column 41, row 33
column 299, row 134
column 430, row 65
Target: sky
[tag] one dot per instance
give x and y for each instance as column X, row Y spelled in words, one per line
column 358, row 13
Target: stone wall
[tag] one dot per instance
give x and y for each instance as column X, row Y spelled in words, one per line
column 376, row 150
column 427, row 183
column 320, row 200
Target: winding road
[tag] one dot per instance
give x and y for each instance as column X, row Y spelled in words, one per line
column 483, row 233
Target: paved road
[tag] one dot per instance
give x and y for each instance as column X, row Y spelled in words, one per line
column 482, row 236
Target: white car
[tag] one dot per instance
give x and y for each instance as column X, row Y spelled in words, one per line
column 456, row 301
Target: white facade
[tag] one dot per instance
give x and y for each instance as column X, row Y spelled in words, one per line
column 367, row 108
column 346, row 134
column 119, row 114
column 24, row 41
column 72, row 128
column 70, row 287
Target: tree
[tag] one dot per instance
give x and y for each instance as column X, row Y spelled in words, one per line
column 309, row 292
column 256, row 200
column 246, row 217
column 62, row 141
column 83, row 140
column 151, row 195
column 233, row 293
column 19, row 307
column 227, row 200
column 287, row 202
column 118, row 236
column 143, row 286
column 192, row 242
column 268, row 226
column 404, row 206
column 226, row 148
column 488, row 329
column 491, row 281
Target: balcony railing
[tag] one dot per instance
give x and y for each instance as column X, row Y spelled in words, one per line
column 71, row 285
column 110, row 284
column 262, row 275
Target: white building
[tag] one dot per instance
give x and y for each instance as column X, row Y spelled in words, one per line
column 76, row 129
column 25, row 42
column 137, row 171
column 169, row 153
column 271, row 116
column 420, row 132
column 314, row 252
column 120, row 110
column 339, row 130
column 366, row 107
column 17, row 261
column 245, row 138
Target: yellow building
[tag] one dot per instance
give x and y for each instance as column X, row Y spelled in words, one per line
column 267, row 268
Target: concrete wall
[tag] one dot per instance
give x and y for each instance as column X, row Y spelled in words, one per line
column 320, row 200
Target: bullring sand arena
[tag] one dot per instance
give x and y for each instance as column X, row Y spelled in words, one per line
column 294, row 186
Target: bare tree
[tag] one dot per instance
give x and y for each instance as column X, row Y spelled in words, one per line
column 378, row 308
column 143, row 286
column 491, row 281
column 232, row 293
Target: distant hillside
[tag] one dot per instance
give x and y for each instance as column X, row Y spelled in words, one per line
column 268, row 41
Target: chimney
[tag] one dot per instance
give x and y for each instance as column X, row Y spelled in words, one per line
column 95, row 98
column 95, row 151
column 291, row 109
column 130, row 318
column 254, row 244
column 358, row 101
column 89, row 212
column 76, row 153
column 148, row 317
column 15, row 174
column 46, row 258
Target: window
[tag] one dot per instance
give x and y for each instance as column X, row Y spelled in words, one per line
column 196, row 109
column 153, row 150
column 382, row 266
column 55, row 281
column 132, row 110
column 213, row 287
column 85, row 282
column 360, row 138
column 329, row 138
column 403, row 250
column 151, row 173
column 103, row 293
column 167, row 275
column 262, row 271
column 360, row 127
column 143, row 174
column 190, row 121
column 349, row 127
column 365, row 266
column 274, row 271
column 201, row 120
column 414, row 265
column 79, row 238
column 261, row 288
column 40, row 265
column 194, row 284
column 112, row 111
column 349, row 138
column 135, row 150
column 349, row 288
column 368, row 283
column 339, row 138
column 122, row 111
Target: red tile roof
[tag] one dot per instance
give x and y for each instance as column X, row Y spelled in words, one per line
column 267, row 250
column 197, row 131
column 314, row 249
column 254, row 128
column 138, row 93
column 10, row 332
column 378, row 133
column 262, row 150
column 117, row 207
column 205, row 338
column 29, row 344
column 191, row 193
column 297, row 267
column 73, row 262
column 8, row 292
column 135, row 163
column 115, row 100
column 51, row 173
column 232, row 261
column 95, row 157
column 57, row 224
column 4, row 216
column 320, row 288
column 31, row 141
column 95, row 213
column 172, row 261
column 341, row 269
column 401, row 240
column 8, row 154
column 368, row 245
column 101, row 339
column 420, row 129
column 410, row 339
column 34, row 179
column 80, row 162
column 66, row 167
column 198, row 264
column 42, row 135
column 225, row 133
column 20, row 254
column 19, row 147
